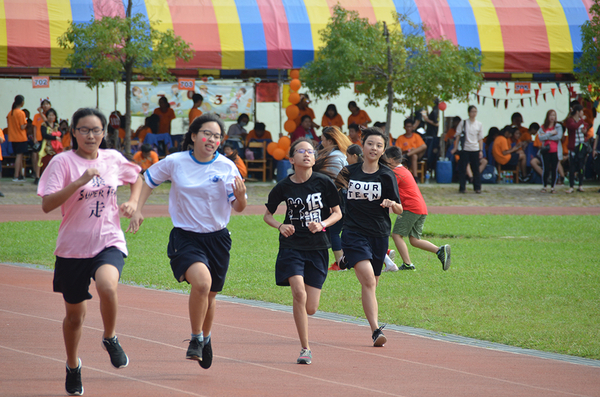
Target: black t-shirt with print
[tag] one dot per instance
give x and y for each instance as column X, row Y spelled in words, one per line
column 364, row 213
column 306, row 202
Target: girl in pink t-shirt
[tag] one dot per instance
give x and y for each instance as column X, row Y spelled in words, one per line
column 83, row 182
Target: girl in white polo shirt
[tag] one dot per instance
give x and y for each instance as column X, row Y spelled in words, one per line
column 204, row 187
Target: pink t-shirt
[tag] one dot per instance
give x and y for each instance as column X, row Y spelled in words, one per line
column 90, row 220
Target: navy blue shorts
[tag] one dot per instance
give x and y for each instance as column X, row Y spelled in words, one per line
column 359, row 248
column 19, row 147
column 186, row 248
column 311, row 265
column 72, row 275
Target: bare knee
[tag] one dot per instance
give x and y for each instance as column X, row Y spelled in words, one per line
column 413, row 240
column 74, row 320
column 299, row 295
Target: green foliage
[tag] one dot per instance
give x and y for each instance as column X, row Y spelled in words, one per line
column 109, row 47
column 528, row 281
column 421, row 70
column 586, row 68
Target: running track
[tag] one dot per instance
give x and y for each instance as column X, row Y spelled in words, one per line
column 255, row 346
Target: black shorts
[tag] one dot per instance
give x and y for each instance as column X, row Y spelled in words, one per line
column 359, row 248
column 19, row 147
column 311, row 265
column 186, row 248
column 72, row 275
column 514, row 159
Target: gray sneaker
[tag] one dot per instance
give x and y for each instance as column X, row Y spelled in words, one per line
column 305, row 357
column 444, row 256
column 407, row 266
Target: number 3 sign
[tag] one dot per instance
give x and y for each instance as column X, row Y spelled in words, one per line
column 41, row 82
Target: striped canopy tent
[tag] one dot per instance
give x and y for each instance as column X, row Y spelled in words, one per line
column 515, row 36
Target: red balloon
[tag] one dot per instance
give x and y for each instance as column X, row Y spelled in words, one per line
column 442, row 106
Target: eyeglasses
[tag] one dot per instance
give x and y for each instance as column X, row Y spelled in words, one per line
column 209, row 134
column 302, row 151
column 85, row 131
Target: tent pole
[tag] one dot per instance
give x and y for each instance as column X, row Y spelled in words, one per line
column 280, row 94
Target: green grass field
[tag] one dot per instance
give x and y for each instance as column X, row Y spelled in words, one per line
column 525, row 281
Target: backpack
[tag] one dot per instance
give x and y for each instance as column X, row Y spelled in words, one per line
column 489, row 174
column 463, row 136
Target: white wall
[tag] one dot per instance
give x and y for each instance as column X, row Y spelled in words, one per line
column 69, row 95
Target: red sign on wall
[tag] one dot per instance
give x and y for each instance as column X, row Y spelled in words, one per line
column 41, row 82
column 186, row 84
column 526, row 87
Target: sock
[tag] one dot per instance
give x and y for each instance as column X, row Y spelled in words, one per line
column 388, row 261
column 198, row 337
column 207, row 338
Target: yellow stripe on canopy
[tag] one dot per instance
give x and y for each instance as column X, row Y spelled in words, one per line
column 490, row 35
column 3, row 38
column 318, row 15
column 230, row 34
column 59, row 15
column 158, row 11
column 559, row 36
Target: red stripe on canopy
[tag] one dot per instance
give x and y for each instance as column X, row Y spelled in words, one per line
column 103, row 8
column 277, row 34
column 196, row 23
column 437, row 16
column 521, row 19
column 363, row 7
column 27, row 33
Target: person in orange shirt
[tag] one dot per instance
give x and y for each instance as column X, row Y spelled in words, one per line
column 331, row 117
column 354, row 134
column 306, row 111
column 17, row 123
column 145, row 157
column 195, row 110
column 166, row 114
column 412, row 146
column 517, row 121
column 232, row 154
column 63, row 127
column 357, row 115
column 259, row 133
column 504, row 154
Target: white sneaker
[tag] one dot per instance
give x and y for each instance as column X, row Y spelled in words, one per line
column 390, row 268
column 391, row 254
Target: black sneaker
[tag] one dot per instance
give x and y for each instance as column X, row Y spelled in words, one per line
column 206, row 361
column 1, row 194
column 73, row 384
column 407, row 266
column 343, row 263
column 118, row 358
column 379, row 338
column 443, row 255
column 194, row 351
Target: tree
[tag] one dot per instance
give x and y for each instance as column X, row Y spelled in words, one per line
column 586, row 70
column 112, row 48
column 401, row 67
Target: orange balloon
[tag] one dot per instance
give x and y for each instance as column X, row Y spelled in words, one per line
column 294, row 98
column 284, row 143
column 292, row 112
column 278, row 154
column 290, row 126
column 271, row 147
column 295, row 84
column 295, row 74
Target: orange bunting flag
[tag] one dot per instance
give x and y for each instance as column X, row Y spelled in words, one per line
column 553, row 91
column 492, row 90
column 507, row 90
column 540, row 84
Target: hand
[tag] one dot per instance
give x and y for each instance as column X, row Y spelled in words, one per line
column 87, row 176
column 239, row 188
column 315, row 227
column 135, row 222
column 453, row 151
column 128, row 209
column 287, row 230
column 387, row 203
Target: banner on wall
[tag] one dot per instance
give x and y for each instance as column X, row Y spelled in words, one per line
column 526, row 87
column 40, row 81
column 228, row 101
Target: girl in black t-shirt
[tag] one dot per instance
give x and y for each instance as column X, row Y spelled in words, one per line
column 312, row 205
column 372, row 192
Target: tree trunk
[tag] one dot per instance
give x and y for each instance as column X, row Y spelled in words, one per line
column 390, row 88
